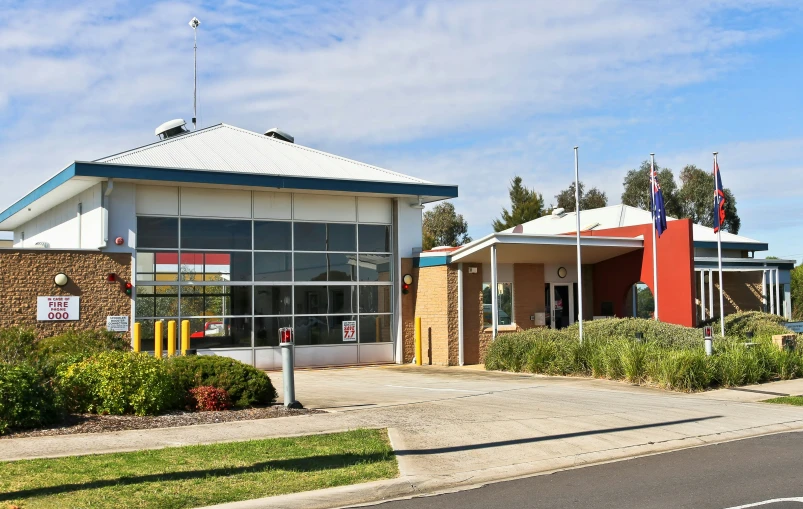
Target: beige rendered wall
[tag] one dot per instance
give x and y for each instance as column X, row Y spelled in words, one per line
column 27, row 274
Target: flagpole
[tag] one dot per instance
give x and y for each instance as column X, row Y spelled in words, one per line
column 719, row 254
column 654, row 249
column 579, row 257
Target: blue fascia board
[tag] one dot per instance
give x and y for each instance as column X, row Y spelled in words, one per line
column 252, row 180
column 741, row 246
column 54, row 182
column 430, row 261
column 770, row 264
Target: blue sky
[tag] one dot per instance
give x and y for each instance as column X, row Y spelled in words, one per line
column 469, row 93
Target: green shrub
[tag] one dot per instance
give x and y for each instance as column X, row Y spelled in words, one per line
column 16, row 345
column 74, row 346
column 245, row 384
column 760, row 324
column 119, row 383
column 27, row 399
column 664, row 334
column 681, row 370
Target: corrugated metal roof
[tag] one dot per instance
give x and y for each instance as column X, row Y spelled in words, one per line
column 616, row 216
column 227, row 148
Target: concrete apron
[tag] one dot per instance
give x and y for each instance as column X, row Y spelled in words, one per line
column 455, row 428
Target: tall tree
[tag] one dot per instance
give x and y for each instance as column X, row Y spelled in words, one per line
column 525, row 205
column 697, row 199
column 444, row 227
column 637, row 189
column 796, row 289
column 593, row 199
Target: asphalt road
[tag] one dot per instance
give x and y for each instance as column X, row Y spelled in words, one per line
column 745, row 473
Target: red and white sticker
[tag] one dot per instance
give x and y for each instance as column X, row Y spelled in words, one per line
column 349, row 330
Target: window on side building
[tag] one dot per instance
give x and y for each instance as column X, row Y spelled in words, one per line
column 504, row 300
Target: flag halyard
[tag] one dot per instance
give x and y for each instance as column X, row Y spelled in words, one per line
column 719, row 200
column 659, row 212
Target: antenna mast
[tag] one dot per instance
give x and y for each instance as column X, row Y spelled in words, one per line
column 194, row 22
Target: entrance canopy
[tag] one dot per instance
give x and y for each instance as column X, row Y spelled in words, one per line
column 530, row 248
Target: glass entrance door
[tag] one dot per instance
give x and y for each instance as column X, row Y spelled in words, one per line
column 560, row 305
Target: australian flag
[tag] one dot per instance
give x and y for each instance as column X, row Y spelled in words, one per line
column 659, row 213
column 719, row 200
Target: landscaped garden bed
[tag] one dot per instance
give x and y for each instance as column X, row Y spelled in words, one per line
column 82, row 382
column 665, row 355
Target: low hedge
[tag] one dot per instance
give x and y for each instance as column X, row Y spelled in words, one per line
column 17, row 345
column 245, row 384
column 119, row 383
column 27, row 398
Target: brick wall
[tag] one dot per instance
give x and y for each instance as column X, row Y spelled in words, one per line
column 432, row 306
column 27, row 274
column 472, row 313
column 528, row 292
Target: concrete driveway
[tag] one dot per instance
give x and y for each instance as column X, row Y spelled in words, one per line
column 454, row 427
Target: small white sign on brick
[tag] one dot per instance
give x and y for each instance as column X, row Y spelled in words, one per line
column 58, row 309
column 117, row 323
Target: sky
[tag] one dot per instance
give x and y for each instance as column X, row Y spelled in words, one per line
column 471, row 93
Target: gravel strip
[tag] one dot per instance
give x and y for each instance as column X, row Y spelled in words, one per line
column 91, row 423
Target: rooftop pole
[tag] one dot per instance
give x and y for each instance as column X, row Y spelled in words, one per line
column 579, row 256
column 194, row 22
column 719, row 255
column 654, row 248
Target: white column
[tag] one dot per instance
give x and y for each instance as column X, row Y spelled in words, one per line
column 494, row 294
column 779, row 309
column 771, row 292
column 764, row 290
column 711, row 291
column 460, row 356
column 702, row 295
column 787, row 311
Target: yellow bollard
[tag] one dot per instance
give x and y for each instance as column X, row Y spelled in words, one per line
column 157, row 339
column 418, row 353
column 171, row 338
column 185, row 336
column 137, row 338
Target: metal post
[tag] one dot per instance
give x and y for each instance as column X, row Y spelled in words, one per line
column 171, row 338
column 719, row 257
column 764, row 291
column 418, row 350
column 708, row 340
column 654, row 247
column 185, row 336
column 494, row 294
column 702, row 295
column 771, row 292
column 288, row 365
column 778, row 292
column 157, row 339
column 137, row 337
column 460, row 351
column 711, row 292
column 579, row 256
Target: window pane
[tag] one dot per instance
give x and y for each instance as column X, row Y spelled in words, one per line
column 157, row 266
column 272, row 235
column 266, row 329
column 375, row 267
column 309, row 236
column 310, row 267
column 374, row 238
column 320, row 330
column 505, row 301
column 232, row 266
column 215, row 300
column 374, row 329
column 375, row 299
column 342, row 267
column 273, row 300
column 215, row 234
column 147, row 333
column 342, row 299
column 311, row 300
column 220, row 332
column 272, row 266
column 157, row 301
column 342, row 237
column 159, row 232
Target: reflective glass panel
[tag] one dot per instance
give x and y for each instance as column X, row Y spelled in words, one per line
column 375, row 299
column 505, row 301
column 311, row 300
column 341, row 237
column 215, row 300
column 272, row 266
column 343, row 267
column 160, row 232
column 342, row 299
column 374, row 328
column 215, row 234
column 320, row 330
column 273, row 300
column 375, row 267
column 156, row 301
column 157, row 266
column 310, row 267
column 266, row 329
column 272, row 235
column 215, row 266
column 215, row 332
column 309, row 236
column 374, row 238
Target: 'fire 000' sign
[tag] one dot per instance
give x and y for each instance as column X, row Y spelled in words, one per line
column 57, row 309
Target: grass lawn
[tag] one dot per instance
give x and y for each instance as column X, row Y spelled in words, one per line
column 787, row 400
column 199, row 475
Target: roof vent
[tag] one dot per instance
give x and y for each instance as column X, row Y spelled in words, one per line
column 559, row 212
column 279, row 135
column 171, row 128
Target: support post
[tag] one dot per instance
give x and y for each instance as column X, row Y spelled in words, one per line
column 418, row 353
column 711, row 292
column 185, row 336
column 137, row 337
column 654, row 246
column 171, row 338
column 764, row 290
column 494, row 294
column 702, row 295
column 579, row 256
column 157, row 339
column 778, row 292
column 287, row 344
column 460, row 351
column 771, row 292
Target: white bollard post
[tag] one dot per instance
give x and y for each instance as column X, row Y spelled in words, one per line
column 288, row 380
column 708, row 334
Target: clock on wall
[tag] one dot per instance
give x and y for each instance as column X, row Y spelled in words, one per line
column 562, row 272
